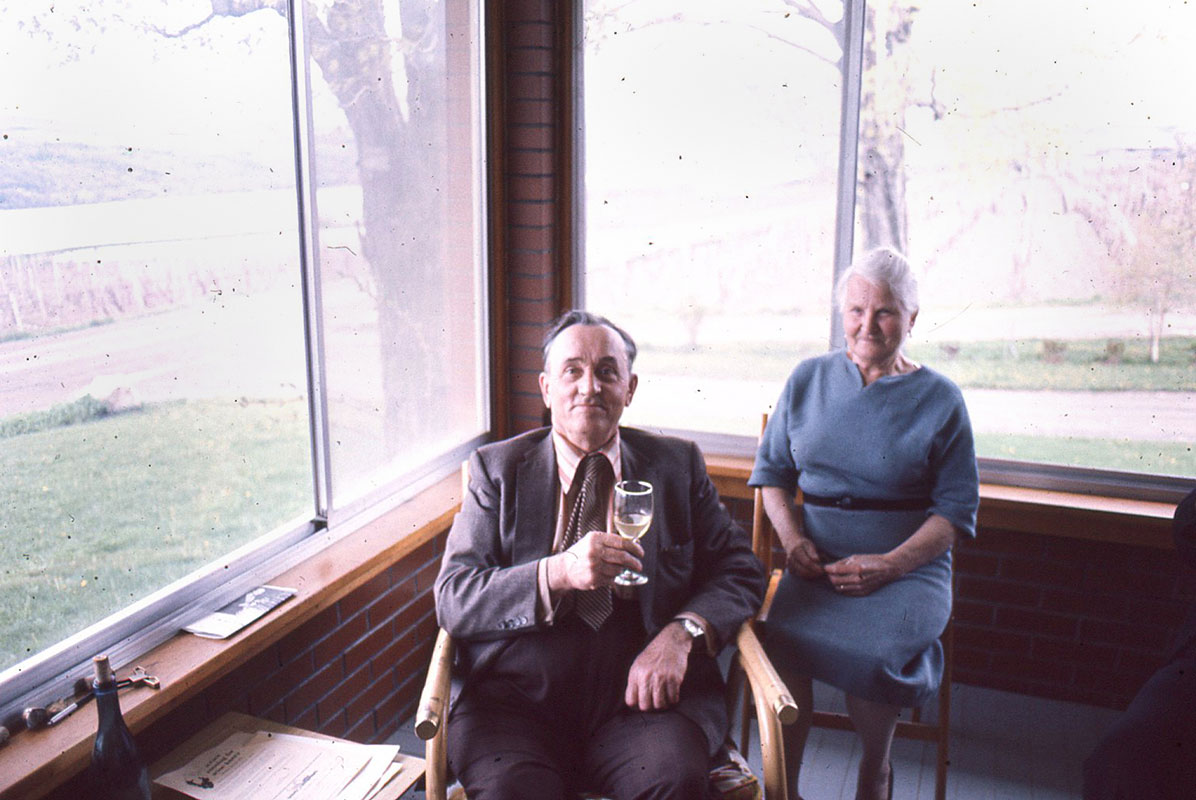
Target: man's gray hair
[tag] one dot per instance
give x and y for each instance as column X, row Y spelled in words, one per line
column 579, row 317
column 883, row 266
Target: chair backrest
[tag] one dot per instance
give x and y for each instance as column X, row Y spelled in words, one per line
column 763, row 535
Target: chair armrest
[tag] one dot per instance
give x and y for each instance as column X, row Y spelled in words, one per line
column 432, row 716
column 774, row 707
column 763, row 677
column 774, row 581
column 433, row 701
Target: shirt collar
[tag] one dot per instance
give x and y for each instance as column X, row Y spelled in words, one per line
column 569, row 457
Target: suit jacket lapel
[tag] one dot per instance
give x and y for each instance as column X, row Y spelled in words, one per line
column 535, row 504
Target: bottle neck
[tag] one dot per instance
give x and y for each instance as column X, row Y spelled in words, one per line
column 107, row 701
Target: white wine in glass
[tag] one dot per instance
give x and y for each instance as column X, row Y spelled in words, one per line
column 632, row 517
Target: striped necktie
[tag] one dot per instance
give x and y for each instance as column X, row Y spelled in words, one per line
column 590, row 492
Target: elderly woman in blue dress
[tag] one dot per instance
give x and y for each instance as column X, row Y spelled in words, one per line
column 881, row 448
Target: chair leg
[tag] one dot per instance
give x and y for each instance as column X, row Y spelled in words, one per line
column 745, row 718
column 944, row 742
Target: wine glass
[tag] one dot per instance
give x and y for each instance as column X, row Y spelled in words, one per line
column 633, row 515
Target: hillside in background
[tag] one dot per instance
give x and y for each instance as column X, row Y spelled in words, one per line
column 41, row 171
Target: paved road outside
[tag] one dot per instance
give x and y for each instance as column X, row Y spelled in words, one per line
column 734, row 407
column 253, row 348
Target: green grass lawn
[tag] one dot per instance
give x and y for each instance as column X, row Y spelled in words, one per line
column 1071, row 365
column 97, row 514
column 1157, row 458
column 1021, row 364
column 98, row 511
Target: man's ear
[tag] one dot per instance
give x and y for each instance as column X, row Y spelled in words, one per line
column 631, row 384
column 912, row 318
column 544, row 390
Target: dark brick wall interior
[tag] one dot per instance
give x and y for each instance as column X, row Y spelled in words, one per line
column 355, row 671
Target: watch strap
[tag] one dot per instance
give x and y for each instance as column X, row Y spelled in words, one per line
column 692, row 628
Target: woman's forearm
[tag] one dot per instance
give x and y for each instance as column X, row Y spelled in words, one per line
column 933, row 538
column 784, row 515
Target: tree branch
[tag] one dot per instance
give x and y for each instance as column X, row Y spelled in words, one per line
column 1020, row 106
column 835, row 63
column 224, row 8
column 812, row 13
column 802, row 9
column 183, row 31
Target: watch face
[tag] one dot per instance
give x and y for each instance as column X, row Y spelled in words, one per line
column 692, row 628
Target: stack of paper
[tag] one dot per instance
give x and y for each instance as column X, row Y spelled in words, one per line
column 280, row 766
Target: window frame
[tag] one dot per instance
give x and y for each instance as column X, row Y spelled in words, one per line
column 156, row 618
column 1004, row 472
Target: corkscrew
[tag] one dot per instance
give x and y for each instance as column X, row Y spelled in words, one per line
column 38, row 717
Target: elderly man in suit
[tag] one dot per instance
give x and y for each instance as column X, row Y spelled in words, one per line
column 563, row 682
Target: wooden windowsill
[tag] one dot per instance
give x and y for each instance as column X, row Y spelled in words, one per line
column 33, row 763
column 1080, row 516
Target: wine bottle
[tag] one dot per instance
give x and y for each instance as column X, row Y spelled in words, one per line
column 117, row 771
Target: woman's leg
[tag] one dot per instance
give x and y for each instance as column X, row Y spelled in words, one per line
column 875, row 723
column 795, row 735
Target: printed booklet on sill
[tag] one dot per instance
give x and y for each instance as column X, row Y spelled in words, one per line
column 239, row 613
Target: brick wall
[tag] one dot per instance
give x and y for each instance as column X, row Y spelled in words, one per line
column 355, row 671
column 536, row 254
column 1066, row 618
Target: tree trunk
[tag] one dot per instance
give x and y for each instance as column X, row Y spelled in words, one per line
column 885, row 93
column 1157, row 313
column 402, row 168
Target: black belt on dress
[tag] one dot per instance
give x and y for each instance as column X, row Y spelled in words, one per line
column 848, row 503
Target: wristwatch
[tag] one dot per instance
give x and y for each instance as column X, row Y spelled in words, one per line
column 692, row 628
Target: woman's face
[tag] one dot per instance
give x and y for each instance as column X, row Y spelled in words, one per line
column 873, row 322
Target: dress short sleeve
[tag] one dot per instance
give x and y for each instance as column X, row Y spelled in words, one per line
column 774, row 458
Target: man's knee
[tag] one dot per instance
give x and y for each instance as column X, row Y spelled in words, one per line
column 509, row 779
column 500, row 758
column 1129, row 761
column 653, row 757
column 681, row 779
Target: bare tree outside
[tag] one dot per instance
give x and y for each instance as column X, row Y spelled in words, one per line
column 152, row 292
column 1032, row 161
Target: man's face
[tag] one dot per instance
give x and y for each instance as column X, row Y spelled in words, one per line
column 586, row 384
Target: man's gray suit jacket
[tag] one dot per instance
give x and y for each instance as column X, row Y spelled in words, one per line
column 697, row 559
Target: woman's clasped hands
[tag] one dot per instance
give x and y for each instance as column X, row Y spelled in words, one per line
column 862, row 574
column 854, row 576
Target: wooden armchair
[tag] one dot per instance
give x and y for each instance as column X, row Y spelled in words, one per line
column 765, row 543
column 770, row 700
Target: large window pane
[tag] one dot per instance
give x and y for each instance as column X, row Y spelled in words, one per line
column 1038, row 161
column 153, row 408
column 711, row 145
column 395, row 98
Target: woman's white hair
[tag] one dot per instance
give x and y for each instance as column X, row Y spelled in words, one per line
column 883, row 266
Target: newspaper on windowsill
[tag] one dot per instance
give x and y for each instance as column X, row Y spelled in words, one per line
column 239, row 613
column 280, row 766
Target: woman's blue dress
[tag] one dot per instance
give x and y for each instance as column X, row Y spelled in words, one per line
column 902, row 436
